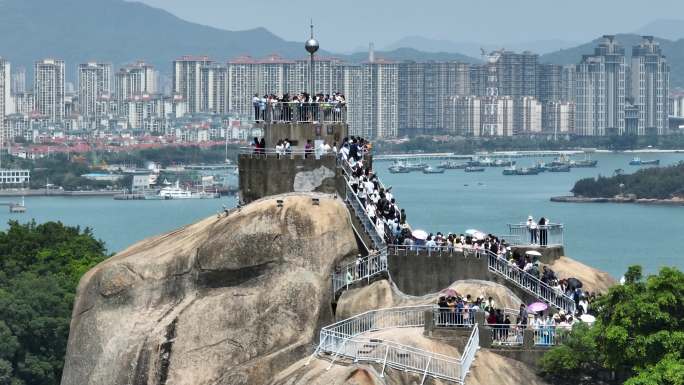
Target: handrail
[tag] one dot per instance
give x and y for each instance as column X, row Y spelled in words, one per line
column 345, row 339
column 530, row 283
column 285, row 154
column 359, row 270
column 301, row 112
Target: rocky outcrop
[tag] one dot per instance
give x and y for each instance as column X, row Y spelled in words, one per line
column 593, row 280
column 229, row 300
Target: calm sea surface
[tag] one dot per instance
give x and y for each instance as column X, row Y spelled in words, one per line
column 607, row 236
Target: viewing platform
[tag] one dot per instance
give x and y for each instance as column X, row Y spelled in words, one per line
column 296, row 112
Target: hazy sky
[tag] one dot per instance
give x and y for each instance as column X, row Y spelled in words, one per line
column 343, row 25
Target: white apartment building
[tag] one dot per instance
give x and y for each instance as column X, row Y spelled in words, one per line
column 94, row 80
column 214, row 89
column 136, row 79
column 531, row 115
column 48, row 88
column 650, row 87
column 5, row 98
column 186, row 80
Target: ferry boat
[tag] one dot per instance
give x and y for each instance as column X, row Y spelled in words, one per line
column 176, row 192
column 430, row 170
column 638, row 162
column 474, row 169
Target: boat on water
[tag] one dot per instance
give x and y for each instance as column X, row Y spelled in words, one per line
column 564, row 168
column 486, row 162
column 639, row 162
column 520, row 171
column 526, row 171
column 430, row 170
column 177, row 192
column 503, row 163
column 560, row 161
column 399, row 168
column 474, row 169
column 449, row 165
column 512, row 170
column 584, row 163
column 416, row 166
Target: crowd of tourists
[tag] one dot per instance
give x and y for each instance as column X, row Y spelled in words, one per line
column 299, row 107
column 506, row 325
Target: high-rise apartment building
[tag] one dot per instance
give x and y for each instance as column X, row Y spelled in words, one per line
column 380, row 99
column 5, row 98
column 517, row 73
column 135, row 80
column 48, row 88
column 424, row 89
column 568, row 82
column 19, row 80
column 94, row 80
column 560, row 118
column 463, row 115
column 186, row 80
column 650, row 87
column 600, row 92
column 530, row 115
column 214, row 89
column 243, row 75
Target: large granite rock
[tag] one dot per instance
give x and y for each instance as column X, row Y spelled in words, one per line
column 230, row 300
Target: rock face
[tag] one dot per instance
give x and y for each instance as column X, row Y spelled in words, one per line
column 593, row 280
column 230, row 300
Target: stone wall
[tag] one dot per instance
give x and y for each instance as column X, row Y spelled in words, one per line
column 262, row 176
column 421, row 274
column 299, row 133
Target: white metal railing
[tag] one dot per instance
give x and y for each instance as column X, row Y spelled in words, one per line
column 295, row 112
column 530, row 283
column 291, row 153
column 507, row 334
column 363, row 269
column 551, row 335
column 453, row 317
column 546, row 235
column 466, row 250
column 469, row 352
column 346, row 339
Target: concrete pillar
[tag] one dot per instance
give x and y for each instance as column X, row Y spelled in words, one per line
column 528, row 338
column 484, row 332
column 429, row 324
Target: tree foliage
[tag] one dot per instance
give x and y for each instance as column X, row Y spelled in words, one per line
column 638, row 335
column 40, row 266
column 650, row 183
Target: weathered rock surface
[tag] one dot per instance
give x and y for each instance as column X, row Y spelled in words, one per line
column 231, row 300
column 593, row 280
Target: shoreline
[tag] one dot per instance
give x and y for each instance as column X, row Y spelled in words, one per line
column 56, row 193
column 643, row 201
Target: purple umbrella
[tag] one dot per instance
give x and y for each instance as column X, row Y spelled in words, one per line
column 537, row 307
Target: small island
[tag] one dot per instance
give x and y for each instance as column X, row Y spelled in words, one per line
column 657, row 185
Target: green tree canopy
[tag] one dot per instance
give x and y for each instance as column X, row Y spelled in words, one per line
column 40, row 266
column 638, row 335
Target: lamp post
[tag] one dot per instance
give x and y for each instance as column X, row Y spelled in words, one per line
column 311, row 46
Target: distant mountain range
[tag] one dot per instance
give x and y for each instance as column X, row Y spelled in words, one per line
column 121, row 32
column 473, row 49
